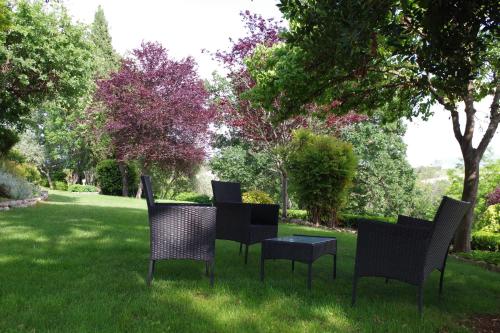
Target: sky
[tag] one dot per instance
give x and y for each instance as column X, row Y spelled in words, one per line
column 186, row 27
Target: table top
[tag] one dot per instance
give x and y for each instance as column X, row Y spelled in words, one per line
column 301, row 239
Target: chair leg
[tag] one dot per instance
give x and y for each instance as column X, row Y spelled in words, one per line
column 241, row 247
column 293, row 265
column 441, row 282
column 420, row 299
column 150, row 272
column 354, row 287
column 442, row 272
column 206, row 267
column 246, row 253
column 386, row 280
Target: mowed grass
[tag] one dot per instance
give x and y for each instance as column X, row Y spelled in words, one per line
column 78, row 262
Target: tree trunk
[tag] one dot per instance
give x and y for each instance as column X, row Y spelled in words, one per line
column 124, row 172
column 471, row 184
column 472, row 156
column 49, row 180
column 139, row 187
column 284, row 194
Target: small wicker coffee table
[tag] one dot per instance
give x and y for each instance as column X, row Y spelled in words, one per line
column 300, row 248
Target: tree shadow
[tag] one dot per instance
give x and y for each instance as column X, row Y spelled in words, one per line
column 99, row 256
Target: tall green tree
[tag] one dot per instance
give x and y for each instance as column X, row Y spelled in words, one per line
column 43, row 57
column 385, row 182
column 398, row 56
column 106, row 58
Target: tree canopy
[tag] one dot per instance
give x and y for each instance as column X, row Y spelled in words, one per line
column 142, row 102
column 396, row 56
column 44, row 56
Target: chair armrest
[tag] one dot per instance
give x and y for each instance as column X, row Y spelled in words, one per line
column 265, row 214
column 233, row 221
column 413, row 221
column 391, row 250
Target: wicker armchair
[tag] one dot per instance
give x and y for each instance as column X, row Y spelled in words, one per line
column 244, row 223
column 409, row 250
column 180, row 231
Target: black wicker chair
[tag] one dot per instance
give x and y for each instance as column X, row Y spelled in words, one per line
column 180, row 231
column 244, row 223
column 409, row 250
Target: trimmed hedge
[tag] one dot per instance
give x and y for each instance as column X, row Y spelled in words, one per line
column 257, row 197
column 82, row 188
column 193, row 197
column 484, row 240
column 345, row 220
column 109, row 178
column 351, row 220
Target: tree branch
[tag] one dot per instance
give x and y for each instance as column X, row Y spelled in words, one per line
column 455, row 118
column 470, row 111
column 493, row 125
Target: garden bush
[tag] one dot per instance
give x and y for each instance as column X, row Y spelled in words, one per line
column 297, row 214
column 16, row 188
column 193, row 197
column 257, row 197
column 489, row 220
column 60, row 185
column 351, row 220
column 109, row 177
column 478, row 255
column 484, row 240
column 82, row 188
column 321, row 169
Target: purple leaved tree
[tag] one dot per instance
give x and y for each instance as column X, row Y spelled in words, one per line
column 157, row 110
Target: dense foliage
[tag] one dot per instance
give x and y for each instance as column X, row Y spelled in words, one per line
column 385, row 182
column 257, row 197
column 82, row 188
column 490, row 178
column 142, row 102
column 484, row 240
column 395, row 56
column 193, row 197
column 494, row 197
column 321, row 171
column 44, row 57
column 110, row 180
column 250, row 169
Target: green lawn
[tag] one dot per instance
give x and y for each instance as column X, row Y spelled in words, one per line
column 77, row 263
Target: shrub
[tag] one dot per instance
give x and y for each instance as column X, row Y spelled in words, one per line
column 82, row 188
column 60, row 185
column 321, row 170
column 193, row 197
column 490, row 220
column 109, row 177
column 351, row 220
column 484, row 240
column 486, row 256
column 297, row 214
column 257, row 197
column 16, row 188
column 494, row 197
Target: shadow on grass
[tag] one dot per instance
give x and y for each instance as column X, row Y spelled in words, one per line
column 53, row 255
